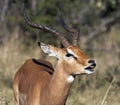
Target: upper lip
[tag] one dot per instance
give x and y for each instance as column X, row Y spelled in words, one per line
column 91, row 66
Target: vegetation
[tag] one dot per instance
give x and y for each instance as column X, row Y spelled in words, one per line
column 99, row 21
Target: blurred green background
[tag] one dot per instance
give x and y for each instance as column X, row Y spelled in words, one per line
column 99, row 23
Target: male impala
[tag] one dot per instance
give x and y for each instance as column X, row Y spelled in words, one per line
column 38, row 83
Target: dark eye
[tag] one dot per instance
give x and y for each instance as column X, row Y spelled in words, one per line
column 69, row 55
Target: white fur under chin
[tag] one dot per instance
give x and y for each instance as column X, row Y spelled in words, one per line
column 70, row 79
column 89, row 72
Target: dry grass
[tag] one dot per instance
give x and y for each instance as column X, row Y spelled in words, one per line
column 95, row 89
column 12, row 55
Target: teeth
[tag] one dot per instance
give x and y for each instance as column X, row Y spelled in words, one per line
column 89, row 68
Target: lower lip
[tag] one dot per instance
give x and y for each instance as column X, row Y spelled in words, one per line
column 89, row 71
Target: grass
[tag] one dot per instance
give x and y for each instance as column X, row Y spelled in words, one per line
column 100, row 88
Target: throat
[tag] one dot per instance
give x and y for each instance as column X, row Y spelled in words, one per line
column 59, row 86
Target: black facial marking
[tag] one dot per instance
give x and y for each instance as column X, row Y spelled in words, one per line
column 75, row 58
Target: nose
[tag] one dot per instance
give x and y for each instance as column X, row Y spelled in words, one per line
column 91, row 61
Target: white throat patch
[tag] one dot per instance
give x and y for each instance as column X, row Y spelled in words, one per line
column 70, row 79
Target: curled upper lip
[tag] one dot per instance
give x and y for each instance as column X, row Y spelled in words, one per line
column 91, row 66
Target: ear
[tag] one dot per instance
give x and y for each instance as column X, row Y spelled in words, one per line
column 50, row 50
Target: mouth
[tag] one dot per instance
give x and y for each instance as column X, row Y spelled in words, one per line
column 90, row 69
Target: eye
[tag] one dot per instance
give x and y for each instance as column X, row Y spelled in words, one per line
column 69, row 55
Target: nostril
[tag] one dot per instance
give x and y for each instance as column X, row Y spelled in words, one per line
column 91, row 61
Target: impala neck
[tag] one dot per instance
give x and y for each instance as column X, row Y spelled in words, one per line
column 59, row 86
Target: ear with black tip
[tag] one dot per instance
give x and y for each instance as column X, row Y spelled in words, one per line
column 38, row 43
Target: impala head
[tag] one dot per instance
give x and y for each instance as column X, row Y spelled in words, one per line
column 70, row 55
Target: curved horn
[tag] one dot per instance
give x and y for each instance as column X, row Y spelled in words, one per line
column 60, row 37
column 76, row 33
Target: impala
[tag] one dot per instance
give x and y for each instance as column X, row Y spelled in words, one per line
column 38, row 83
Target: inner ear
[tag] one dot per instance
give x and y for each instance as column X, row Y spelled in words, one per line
column 50, row 50
column 45, row 48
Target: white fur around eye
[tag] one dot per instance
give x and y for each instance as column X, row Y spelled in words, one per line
column 70, row 51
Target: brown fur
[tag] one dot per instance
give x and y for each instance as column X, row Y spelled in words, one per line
column 39, row 84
